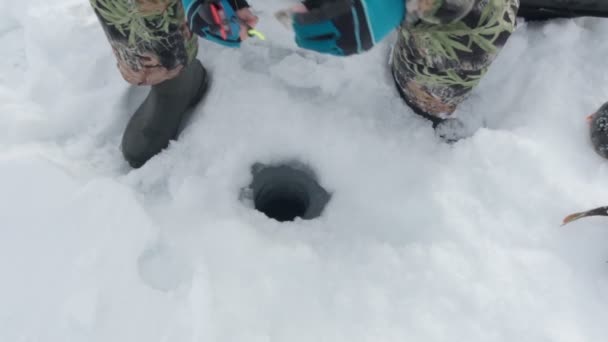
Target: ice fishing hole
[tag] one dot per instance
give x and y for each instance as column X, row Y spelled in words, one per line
column 286, row 192
column 282, row 201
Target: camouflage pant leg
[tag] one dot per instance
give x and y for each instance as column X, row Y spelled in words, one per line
column 150, row 38
column 437, row 65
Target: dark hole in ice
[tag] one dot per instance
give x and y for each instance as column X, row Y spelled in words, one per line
column 287, row 192
column 282, row 202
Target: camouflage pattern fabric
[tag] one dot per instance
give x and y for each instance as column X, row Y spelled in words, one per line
column 150, row 38
column 445, row 47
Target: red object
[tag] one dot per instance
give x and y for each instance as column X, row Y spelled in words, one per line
column 215, row 8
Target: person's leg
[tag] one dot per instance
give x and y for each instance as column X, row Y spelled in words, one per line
column 437, row 63
column 153, row 47
column 150, row 38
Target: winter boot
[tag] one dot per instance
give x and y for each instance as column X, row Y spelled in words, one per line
column 599, row 131
column 449, row 130
column 160, row 117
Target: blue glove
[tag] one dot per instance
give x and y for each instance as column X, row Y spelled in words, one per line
column 346, row 27
column 204, row 20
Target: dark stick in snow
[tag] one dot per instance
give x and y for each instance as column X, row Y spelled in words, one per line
column 601, row 211
column 548, row 9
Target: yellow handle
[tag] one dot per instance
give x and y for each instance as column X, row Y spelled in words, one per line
column 253, row 32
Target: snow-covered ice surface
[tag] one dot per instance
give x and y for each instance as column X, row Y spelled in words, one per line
column 422, row 241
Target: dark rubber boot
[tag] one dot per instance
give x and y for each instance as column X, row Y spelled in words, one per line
column 159, row 118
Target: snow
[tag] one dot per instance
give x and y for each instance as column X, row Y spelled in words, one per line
column 422, row 241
